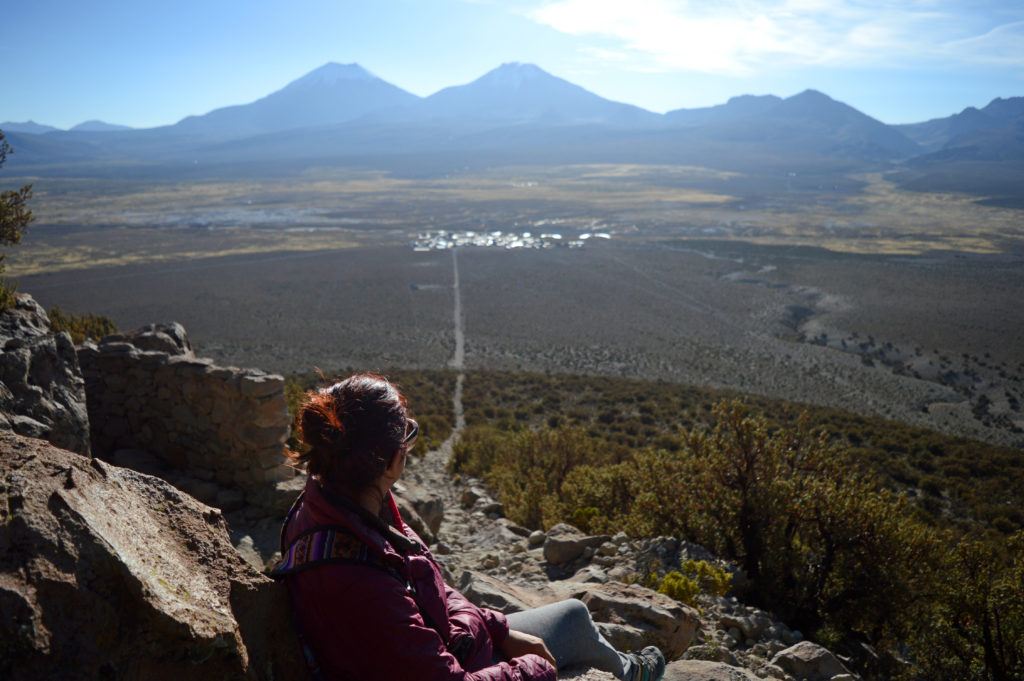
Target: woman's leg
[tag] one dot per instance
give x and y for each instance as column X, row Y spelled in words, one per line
column 571, row 636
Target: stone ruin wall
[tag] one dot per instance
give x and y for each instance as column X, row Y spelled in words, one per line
column 147, row 391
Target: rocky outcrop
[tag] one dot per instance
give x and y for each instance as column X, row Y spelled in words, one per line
column 634, row 617
column 169, row 338
column 147, row 392
column 811, row 662
column 428, row 504
column 106, row 573
column 564, row 544
column 699, row 670
column 42, row 393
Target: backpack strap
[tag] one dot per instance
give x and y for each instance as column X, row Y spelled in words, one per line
column 326, row 544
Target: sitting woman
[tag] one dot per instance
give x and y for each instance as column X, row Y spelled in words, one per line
column 368, row 598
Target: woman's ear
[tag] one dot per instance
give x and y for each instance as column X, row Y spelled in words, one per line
column 397, row 465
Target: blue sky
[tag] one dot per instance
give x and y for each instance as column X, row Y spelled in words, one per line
column 152, row 62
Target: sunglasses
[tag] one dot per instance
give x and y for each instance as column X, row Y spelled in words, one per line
column 413, row 429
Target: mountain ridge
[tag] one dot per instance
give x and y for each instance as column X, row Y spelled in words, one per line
column 517, row 92
column 331, row 73
column 518, row 113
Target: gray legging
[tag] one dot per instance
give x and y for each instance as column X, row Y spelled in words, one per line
column 571, row 636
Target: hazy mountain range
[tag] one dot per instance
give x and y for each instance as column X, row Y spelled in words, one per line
column 518, row 113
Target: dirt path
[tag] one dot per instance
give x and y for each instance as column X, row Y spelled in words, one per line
column 457, row 362
column 432, row 469
column 460, row 529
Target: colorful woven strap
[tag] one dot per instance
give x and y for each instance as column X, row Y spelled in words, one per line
column 324, row 544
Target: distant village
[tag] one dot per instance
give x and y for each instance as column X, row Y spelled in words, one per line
column 442, row 240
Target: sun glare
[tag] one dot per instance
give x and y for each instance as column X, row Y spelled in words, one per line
column 737, row 37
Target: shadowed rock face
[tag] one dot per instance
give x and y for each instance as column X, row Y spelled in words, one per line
column 110, row 573
column 170, row 338
column 42, row 393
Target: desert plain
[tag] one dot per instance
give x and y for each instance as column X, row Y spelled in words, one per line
column 843, row 291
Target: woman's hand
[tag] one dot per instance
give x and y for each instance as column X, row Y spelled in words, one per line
column 517, row 644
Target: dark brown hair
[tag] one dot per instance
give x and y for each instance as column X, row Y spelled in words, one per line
column 353, row 429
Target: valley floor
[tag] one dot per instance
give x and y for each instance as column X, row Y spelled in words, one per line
column 936, row 341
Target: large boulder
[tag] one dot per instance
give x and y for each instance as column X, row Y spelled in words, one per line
column 107, row 573
column 564, row 543
column 749, row 626
column 413, row 519
column 429, row 505
column 639, row 617
column 810, row 662
column 42, row 393
column 488, row 592
column 700, row 670
column 169, row 338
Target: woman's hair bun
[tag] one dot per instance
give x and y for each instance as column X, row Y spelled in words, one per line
column 320, row 426
column 353, row 429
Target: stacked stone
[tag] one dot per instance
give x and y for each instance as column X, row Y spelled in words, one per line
column 147, row 391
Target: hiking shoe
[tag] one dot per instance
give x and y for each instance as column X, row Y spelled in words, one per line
column 647, row 665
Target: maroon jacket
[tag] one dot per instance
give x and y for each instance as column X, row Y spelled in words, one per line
column 361, row 621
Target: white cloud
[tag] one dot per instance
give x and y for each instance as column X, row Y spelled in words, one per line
column 737, row 36
column 1003, row 45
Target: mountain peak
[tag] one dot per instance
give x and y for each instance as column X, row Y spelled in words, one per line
column 99, row 126
column 28, row 127
column 817, row 105
column 1011, row 108
column 518, row 66
column 514, row 74
column 331, row 73
column 525, row 93
column 812, row 95
column 328, row 95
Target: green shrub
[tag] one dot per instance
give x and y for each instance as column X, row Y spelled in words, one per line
column 975, row 627
column 712, row 579
column 587, row 518
column 679, row 587
column 94, row 326
column 14, row 220
column 697, row 577
column 7, row 290
column 596, row 496
column 526, row 467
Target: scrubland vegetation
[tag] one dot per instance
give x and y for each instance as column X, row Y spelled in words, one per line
column 826, row 535
column 950, row 479
column 81, row 327
column 14, row 218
